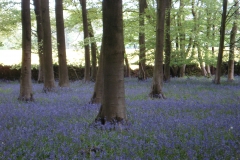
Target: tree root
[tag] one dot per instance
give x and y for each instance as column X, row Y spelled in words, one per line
column 116, row 123
column 31, row 99
column 159, row 96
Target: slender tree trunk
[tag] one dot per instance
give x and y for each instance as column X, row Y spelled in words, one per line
column 49, row 82
column 25, row 81
column 128, row 69
column 61, row 45
column 38, row 13
column 232, row 44
column 158, row 63
column 200, row 58
column 86, row 41
column 142, row 48
column 98, row 88
column 93, row 52
column 182, row 38
column 113, row 107
column 168, row 46
column 196, row 39
column 207, row 45
column 221, row 44
column 208, row 69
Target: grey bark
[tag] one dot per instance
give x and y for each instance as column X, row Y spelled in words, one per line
column 49, row 82
column 113, row 107
column 221, row 44
column 158, row 63
column 61, row 45
column 25, row 79
column 38, row 13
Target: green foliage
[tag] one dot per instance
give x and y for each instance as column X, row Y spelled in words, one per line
column 182, row 27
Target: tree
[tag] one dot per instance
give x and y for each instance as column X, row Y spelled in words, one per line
column 182, row 37
column 158, row 63
column 49, row 83
column 38, row 13
column 98, row 88
column 232, row 44
column 86, row 41
column 196, row 37
column 113, row 105
column 142, row 48
column 94, row 51
column 221, row 44
column 61, row 45
column 168, row 46
column 25, row 81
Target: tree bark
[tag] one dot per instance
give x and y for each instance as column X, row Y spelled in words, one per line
column 94, row 51
column 232, row 44
column 168, row 46
column 98, row 88
column 128, row 69
column 38, row 13
column 207, row 45
column 86, row 41
column 142, row 48
column 113, row 107
column 182, row 38
column 49, row 82
column 61, row 45
column 221, row 44
column 196, row 39
column 158, row 63
column 25, row 81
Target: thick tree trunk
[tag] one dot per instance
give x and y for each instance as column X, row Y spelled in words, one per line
column 113, row 107
column 38, row 13
column 86, row 41
column 158, row 63
column 168, row 46
column 94, row 51
column 142, row 48
column 49, row 82
column 221, row 44
column 98, row 88
column 62, row 58
column 25, row 81
column 232, row 45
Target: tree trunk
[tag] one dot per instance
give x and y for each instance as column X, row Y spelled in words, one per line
column 98, row 88
column 200, row 58
column 221, row 44
column 49, row 83
column 61, row 45
column 94, row 51
column 142, row 48
column 158, row 63
column 208, row 71
column 196, row 39
column 232, row 44
column 38, row 13
column 113, row 107
column 207, row 44
column 86, row 41
column 168, row 46
column 182, row 38
column 128, row 69
column 25, row 81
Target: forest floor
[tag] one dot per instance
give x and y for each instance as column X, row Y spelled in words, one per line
column 198, row 120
